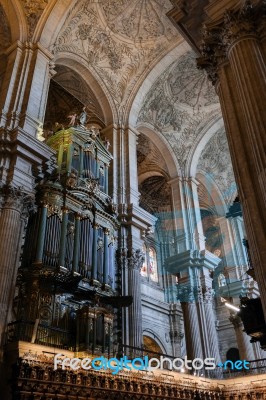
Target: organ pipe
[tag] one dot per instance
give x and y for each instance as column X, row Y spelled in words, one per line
column 62, row 251
column 41, row 234
column 94, row 252
column 106, row 257
column 76, row 244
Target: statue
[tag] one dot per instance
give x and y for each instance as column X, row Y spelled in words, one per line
column 107, row 144
column 83, row 117
column 73, row 119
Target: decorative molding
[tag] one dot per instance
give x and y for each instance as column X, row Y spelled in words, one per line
column 219, row 39
column 215, row 161
column 115, row 42
column 15, row 198
column 33, row 10
column 135, row 260
column 180, row 103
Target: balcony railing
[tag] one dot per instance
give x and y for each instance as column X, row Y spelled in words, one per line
column 40, row 334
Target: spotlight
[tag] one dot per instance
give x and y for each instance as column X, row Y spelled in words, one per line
column 232, row 307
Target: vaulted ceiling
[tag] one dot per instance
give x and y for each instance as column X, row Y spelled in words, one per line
column 127, row 45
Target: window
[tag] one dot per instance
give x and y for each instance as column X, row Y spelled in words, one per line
column 143, row 270
column 221, row 280
column 149, row 267
column 153, row 272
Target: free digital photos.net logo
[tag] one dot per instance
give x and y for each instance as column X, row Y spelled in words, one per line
column 145, row 364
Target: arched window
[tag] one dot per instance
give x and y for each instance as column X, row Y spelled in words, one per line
column 144, row 268
column 149, row 267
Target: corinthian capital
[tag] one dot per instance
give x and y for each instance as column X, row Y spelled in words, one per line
column 136, row 260
column 15, row 198
column 242, row 23
column 218, row 39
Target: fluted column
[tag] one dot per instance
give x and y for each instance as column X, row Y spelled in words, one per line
column 187, row 218
column 10, row 230
column 233, row 53
column 245, row 348
column 212, row 336
column 192, row 330
column 134, row 288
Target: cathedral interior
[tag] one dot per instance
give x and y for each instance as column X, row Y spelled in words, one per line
column 132, row 197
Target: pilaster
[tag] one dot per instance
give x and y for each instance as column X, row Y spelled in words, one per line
column 25, row 89
column 135, row 262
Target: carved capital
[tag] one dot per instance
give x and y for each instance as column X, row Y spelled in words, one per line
column 15, row 198
column 236, row 25
column 136, row 259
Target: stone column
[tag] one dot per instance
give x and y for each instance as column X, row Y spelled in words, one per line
column 192, row 330
column 187, row 218
column 10, row 241
column 212, row 336
column 135, row 313
column 245, row 348
column 176, row 332
column 233, row 53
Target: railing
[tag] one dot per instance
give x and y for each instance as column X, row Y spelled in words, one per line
column 255, row 366
column 59, row 338
column 40, row 334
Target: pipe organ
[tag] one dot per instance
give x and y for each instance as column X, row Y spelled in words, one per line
column 67, row 276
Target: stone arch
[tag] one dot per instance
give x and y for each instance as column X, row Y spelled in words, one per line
column 16, row 19
column 137, row 99
column 173, row 168
column 213, row 191
column 76, row 63
column 52, row 21
column 200, row 143
column 148, row 333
